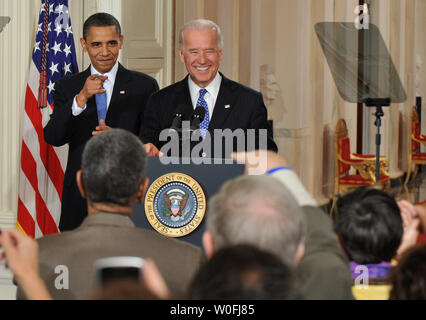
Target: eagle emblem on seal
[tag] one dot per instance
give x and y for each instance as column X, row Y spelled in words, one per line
column 175, row 202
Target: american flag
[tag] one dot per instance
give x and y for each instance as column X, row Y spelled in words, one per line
column 42, row 165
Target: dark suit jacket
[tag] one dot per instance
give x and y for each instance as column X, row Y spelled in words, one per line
column 246, row 111
column 130, row 94
column 109, row 235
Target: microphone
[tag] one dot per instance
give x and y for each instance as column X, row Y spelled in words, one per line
column 197, row 118
column 177, row 120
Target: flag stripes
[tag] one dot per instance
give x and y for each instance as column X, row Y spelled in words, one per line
column 42, row 165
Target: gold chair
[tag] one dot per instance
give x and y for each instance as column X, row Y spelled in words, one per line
column 415, row 156
column 344, row 160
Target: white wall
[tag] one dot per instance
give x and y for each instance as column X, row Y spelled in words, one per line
column 16, row 43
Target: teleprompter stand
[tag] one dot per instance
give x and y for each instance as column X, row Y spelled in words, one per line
column 362, row 69
column 379, row 104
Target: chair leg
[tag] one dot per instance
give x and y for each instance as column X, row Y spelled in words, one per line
column 416, row 170
column 333, row 205
column 408, row 173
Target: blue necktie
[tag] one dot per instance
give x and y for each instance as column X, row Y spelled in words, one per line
column 101, row 105
column 202, row 103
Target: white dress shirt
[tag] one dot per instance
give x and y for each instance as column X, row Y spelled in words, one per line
column 108, row 86
column 211, row 95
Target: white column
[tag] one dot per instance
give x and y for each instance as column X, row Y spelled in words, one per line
column 16, row 42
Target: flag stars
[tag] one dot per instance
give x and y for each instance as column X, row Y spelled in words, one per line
column 67, row 50
column 51, row 86
column 54, row 68
column 39, row 29
column 37, row 46
column 67, row 68
column 68, row 30
column 58, row 29
column 57, row 47
column 60, row 9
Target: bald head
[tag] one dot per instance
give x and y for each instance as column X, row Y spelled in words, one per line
column 257, row 210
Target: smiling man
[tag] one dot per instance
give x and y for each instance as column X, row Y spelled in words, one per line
column 104, row 96
column 227, row 104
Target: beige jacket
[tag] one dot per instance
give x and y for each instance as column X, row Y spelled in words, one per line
column 108, row 234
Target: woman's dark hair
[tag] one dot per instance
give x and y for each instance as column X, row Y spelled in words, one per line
column 369, row 225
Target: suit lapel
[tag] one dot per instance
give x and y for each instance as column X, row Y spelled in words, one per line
column 120, row 86
column 224, row 103
column 183, row 97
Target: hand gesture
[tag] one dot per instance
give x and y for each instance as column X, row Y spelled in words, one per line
column 260, row 161
column 93, row 86
column 101, row 128
column 152, row 151
column 410, row 223
column 21, row 255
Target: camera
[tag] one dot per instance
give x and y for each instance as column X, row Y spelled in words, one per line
column 118, row 268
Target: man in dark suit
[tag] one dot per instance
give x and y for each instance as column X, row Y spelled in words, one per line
column 104, row 96
column 112, row 178
column 227, row 104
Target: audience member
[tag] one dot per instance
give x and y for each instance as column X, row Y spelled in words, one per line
column 370, row 229
column 322, row 272
column 242, row 272
column 112, row 178
column 411, row 225
column 408, row 279
column 21, row 255
column 256, row 210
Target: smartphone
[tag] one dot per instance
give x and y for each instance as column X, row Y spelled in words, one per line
column 118, row 268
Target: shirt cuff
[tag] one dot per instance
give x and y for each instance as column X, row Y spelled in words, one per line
column 76, row 110
column 290, row 179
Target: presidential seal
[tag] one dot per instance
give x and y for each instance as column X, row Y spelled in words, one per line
column 175, row 204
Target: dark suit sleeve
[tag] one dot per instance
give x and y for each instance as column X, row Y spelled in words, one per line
column 151, row 124
column 259, row 120
column 60, row 128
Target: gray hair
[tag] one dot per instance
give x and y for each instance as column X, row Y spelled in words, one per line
column 257, row 210
column 200, row 24
column 113, row 166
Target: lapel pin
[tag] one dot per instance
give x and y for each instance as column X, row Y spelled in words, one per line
column 227, row 106
column 123, row 92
